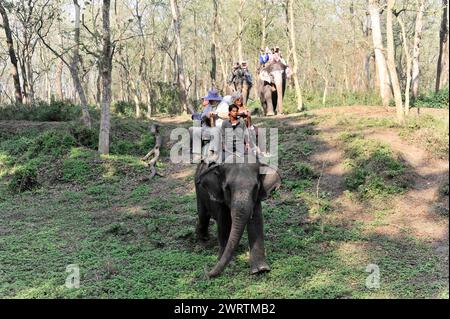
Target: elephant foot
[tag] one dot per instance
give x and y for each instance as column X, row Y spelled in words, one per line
column 260, row 268
column 213, row 273
column 270, row 114
column 202, row 237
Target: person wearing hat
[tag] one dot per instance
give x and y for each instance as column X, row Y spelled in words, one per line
column 263, row 58
column 210, row 101
column 208, row 117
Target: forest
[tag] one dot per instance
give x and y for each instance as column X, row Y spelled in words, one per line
column 89, row 87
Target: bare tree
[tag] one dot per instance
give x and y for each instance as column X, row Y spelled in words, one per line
column 106, row 71
column 416, row 48
column 73, row 64
column 214, row 42
column 442, row 63
column 12, row 54
column 408, row 59
column 86, row 118
column 179, row 59
column 240, row 28
column 291, row 28
column 391, row 62
column 377, row 38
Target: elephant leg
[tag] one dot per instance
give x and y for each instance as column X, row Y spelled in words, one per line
column 256, row 240
column 223, row 230
column 203, row 221
column 268, row 98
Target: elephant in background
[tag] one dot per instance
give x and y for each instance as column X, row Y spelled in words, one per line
column 271, row 87
column 241, row 81
column 232, row 194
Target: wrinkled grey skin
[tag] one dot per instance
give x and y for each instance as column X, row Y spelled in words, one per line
column 232, row 194
column 272, row 100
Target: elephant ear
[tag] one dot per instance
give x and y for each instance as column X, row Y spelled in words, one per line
column 270, row 181
column 209, row 180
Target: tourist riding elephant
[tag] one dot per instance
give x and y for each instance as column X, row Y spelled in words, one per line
column 271, row 87
column 241, row 81
column 231, row 193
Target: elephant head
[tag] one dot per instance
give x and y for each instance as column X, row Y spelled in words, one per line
column 273, row 100
column 239, row 188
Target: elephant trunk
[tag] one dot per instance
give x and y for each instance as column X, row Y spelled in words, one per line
column 237, row 229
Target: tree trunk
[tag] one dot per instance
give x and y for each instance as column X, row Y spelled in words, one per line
column 85, row 117
column 263, row 10
column 290, row 18
column 383, row 77
column 12, row 54
column 58, row 81
column 391, row 62
column 213, row 44
column 408, row 65
column 416, row 49
column 240, row 28
column 442, row 64
column 179, row 58
column 106, row 67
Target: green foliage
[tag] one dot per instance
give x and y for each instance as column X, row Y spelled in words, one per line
column 24, row 179
column 53, row 142
column 128, row 109
column 84, row 136
column 168, row 101
column 16, row 146
column 314, row 99
column 374, row 170
column 75, row 170
column 305, row 171
column 438, row 100
column 41, row 111
column 430, row 131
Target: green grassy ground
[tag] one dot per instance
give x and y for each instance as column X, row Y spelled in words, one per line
column 134, row 238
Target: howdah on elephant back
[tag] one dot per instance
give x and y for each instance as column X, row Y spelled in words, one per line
column 271, row 88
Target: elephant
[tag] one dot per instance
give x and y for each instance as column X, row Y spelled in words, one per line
column 242, row 82
column 271, row 87
column 231, row 193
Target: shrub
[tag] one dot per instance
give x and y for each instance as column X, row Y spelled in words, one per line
column 305, row 171
column 84, row 136
column 16, row 146
column 432, row 99
column 53, row 143
column 169, row 101
column 24, row 179
column 75, row 170
column 374, row 168
column 41, row 111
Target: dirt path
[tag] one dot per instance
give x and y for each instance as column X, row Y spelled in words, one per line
column 416, row 211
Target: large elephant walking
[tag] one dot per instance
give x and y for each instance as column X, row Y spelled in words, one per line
column 271, row 88
column 232, row 194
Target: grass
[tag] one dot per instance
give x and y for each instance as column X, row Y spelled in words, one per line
column 374, row 169
column 429, row 131
column 136, row 239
